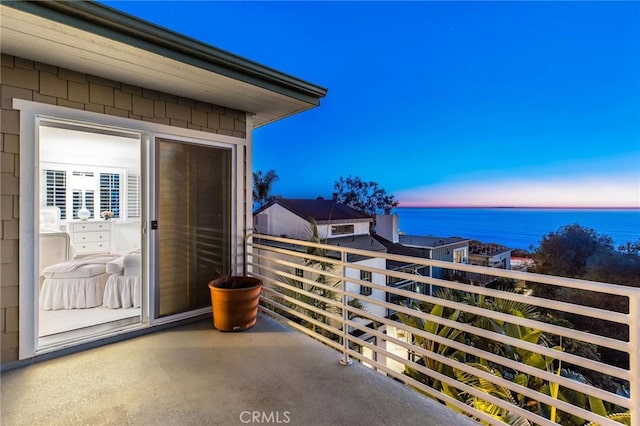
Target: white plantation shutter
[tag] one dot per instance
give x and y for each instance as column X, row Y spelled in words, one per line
column 134, row 196
column 110, row 193
column 55, row 193
column 117, row 190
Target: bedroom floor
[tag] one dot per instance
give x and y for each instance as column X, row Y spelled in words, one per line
column 63, row 320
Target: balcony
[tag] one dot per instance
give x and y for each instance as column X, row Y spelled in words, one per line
column 490, row 354
column 194, row 375
column 454, row 363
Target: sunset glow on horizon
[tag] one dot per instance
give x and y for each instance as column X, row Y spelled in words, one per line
column 588, row 193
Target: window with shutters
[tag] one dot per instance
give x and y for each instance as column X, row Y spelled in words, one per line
column 134, row 204
column 116, row 190
column 110, row 193
column 55, row 194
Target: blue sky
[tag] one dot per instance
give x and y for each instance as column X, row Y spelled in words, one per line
column 444, row 103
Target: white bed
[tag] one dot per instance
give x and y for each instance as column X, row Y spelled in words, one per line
column 88, row 282
column 75, row 284
column 123, row 285
column 92, row 284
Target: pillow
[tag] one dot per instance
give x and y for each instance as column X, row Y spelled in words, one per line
column 116, row 266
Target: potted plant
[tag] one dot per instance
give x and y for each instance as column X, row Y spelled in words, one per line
column 234, row 301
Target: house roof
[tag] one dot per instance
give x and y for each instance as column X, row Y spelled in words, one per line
column 362, row 242
column 95, row 39
column 321, row 210
column 429, row 241
column 477, row 248
column 397, row 248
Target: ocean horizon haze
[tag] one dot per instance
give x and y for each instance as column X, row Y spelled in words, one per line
column 517, row 227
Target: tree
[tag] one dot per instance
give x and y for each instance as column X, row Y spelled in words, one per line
column 577, row 252
column 367, row 197
column 262, row 184
column 630, row 248
column 565, row 252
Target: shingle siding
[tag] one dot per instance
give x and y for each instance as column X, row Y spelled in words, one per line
column 24, row 79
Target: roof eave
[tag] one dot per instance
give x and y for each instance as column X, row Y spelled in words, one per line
column 107, row 22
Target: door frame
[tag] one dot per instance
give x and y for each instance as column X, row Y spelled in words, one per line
column 30, row 115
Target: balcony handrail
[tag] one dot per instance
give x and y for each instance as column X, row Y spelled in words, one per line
column 505, row 383
column 579, row 309
column 573, row 359
column 546, row 303
column 268, row 256
column 543, row 374
column 517, row 275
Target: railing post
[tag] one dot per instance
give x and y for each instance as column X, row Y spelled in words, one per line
column 634, row 357
column 345, row 360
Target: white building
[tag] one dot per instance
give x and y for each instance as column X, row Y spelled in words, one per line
column 449, row 249
column 337, row 224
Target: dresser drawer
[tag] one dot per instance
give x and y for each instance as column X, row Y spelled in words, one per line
column 90, row 226
column 92, row 247
column 90, row 237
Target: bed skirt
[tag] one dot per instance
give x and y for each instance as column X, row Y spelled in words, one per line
column 122, row 292
column 72, row 293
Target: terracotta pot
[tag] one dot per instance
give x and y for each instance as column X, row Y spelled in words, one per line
column 235, row 309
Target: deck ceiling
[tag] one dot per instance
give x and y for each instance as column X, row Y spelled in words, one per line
column 49, row 41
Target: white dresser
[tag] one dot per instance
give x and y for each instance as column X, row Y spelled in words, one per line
column 88, row 237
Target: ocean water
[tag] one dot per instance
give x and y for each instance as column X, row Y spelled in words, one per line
column 518, row 228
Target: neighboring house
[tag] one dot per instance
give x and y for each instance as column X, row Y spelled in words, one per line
column 102, row 111
column 487, row 254
column 290, row 217
column 448, row 249
column 337, row 224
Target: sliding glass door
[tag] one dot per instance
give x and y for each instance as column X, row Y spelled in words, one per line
column 89, row 231
column 194, row 199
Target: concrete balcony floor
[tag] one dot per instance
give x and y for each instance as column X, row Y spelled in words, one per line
column 195, row 375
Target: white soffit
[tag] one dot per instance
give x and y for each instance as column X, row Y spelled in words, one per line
column 42, row 40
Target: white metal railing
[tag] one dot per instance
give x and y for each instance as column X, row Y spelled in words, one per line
column 474, row 369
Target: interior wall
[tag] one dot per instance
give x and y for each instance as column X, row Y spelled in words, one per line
column 67, row 146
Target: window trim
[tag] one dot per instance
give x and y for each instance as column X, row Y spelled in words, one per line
column 366, row 276
column 346, row 229
column 464, row 257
